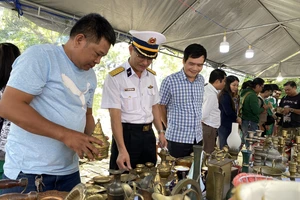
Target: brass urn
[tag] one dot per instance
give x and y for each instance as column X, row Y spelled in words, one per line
column 103, row 150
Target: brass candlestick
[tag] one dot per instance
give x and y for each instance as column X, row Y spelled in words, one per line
column 294, row 164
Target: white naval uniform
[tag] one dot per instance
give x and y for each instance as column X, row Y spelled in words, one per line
column 133, row 95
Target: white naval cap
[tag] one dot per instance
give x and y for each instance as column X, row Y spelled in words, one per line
column 147, row 42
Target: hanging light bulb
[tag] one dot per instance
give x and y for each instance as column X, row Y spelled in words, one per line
column 279, row 77
column 249, row 53
column 224, row 46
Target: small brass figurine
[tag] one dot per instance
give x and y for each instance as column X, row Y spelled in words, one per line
column 98, row 133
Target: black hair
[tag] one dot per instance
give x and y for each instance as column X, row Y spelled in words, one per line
column 229, row 79
column 266, row 88
column 8, row 53
column 290, row 83
column 257, row 81
column 246, row 84
column 93, row 26
column 275, row 87
column 194, row 51
column 216, row 74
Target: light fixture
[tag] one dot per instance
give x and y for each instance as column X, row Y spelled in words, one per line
column 279, row 77
column 224, row 46
column 249, row 53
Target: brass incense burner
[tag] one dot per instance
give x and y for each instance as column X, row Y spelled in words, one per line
column 98, row 133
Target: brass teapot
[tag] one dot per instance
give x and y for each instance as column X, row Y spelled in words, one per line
column 103, row 150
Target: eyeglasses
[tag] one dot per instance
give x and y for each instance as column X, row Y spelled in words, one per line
column 141, row 57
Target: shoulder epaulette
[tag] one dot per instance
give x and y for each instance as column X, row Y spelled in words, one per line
column 116, row 71
column 151, row 71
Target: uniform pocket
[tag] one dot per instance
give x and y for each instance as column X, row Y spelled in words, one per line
column 151, row 91
column 129, row 99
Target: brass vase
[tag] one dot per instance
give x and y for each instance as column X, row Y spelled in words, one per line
column 115, row 190
column 103, row 150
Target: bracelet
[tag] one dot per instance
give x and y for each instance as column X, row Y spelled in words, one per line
column 161, row 131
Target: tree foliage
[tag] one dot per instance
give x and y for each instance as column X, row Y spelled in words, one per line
column 22, row 32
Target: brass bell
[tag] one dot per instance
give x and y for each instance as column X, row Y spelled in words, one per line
column 103, row 150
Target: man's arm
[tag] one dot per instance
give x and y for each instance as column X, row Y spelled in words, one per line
column 90, row 122
column 207, row 107
column 158, row 125
column 288, row 110
column 117, row 129
column 15, row 106
column 164, row 119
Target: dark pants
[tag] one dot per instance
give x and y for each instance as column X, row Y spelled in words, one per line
column 50, row 182
column 179, row 150
column 140, row 144
column 223, row 133
column 209, row 138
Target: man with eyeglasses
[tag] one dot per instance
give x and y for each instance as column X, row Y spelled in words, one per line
column 130, row 94
column 289, row 109
column 181, row 103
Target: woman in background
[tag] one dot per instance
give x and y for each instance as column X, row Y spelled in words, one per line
column 228, row 105
column 8, row 54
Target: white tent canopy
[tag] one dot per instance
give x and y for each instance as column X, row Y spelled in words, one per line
column 271, row 27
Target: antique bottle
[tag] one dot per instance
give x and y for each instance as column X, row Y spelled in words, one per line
column 98, row 133
column 115, row 190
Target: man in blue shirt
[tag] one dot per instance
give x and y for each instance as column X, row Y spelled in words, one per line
column 181, row 103
column 49, row 99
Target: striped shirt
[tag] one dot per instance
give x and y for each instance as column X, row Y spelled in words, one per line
column 183, row 100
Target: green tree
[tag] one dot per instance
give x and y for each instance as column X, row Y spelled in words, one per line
column 22, row 32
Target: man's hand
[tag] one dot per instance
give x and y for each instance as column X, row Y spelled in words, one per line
column 162, row 140
column 82, row 144
column 123, row 158
column 239, row 120
column 265, row 106
column 286, row 110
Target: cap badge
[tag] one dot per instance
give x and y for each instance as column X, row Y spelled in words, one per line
column 152, row 40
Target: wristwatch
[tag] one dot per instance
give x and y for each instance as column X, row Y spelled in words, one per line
column 291, row 110
column 161, row 131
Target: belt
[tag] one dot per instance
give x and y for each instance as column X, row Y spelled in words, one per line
column 203, row 124
column 140, row 127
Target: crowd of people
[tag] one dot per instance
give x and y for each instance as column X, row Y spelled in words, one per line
column 47, row 97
